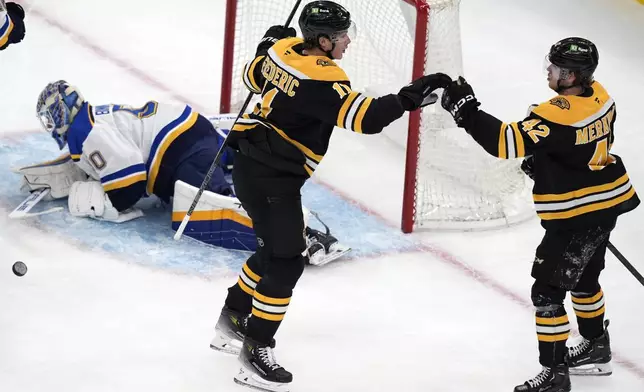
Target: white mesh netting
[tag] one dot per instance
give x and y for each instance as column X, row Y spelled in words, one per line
column 458, row 185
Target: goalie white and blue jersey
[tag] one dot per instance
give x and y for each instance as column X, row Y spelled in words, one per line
column 135, row 152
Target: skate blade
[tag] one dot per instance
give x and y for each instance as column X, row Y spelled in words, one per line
column 594, row 369
column 325, row 259
column 250, row 379
column 224, row 343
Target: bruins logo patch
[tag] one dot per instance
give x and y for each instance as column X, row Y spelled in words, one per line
column 324, row 63
column 560, row 102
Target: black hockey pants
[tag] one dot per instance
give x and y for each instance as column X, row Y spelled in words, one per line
column 273, row 201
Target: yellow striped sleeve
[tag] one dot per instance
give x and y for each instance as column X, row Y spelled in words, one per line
column 361, row 112
column 503, row 153
column 249, row 75
column 519, row 139
column 342, row 114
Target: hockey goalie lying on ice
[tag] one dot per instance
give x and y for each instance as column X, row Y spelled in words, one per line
column 119, row 154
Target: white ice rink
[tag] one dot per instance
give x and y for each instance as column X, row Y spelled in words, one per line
column 453, row 317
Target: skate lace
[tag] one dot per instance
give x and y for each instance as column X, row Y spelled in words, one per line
column 267, row 357
column 580, row 348
column 540, row 378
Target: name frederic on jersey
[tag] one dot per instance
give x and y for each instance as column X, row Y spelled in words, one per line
column 281, row 79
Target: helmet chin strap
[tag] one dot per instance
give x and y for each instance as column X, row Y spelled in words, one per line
column 327, row 52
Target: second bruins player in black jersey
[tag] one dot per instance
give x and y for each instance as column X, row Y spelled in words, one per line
column 305, row 94
column 580, row 189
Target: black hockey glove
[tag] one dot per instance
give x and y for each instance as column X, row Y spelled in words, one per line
column 419, row 93
column 274, row 34
column 528, row 166
column 459, row 101
column 17, row 15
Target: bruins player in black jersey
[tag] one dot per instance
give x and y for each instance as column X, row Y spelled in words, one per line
column 305, row 94
column 580, row 189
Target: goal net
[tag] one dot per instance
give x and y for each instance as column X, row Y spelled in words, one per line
column 450, row 182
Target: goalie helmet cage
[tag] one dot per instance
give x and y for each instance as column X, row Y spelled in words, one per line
column 450, row 182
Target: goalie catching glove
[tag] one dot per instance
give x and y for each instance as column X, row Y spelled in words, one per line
column 419, row 93
column 58, row 175
column 87, row 198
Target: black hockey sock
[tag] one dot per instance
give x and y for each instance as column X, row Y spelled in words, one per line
column 552, row 331
column 589, row 308
column 240, row 295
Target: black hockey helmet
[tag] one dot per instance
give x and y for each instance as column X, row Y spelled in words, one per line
column 577, row 55
column 323, row 18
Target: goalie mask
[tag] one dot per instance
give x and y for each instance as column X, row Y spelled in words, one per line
column 57, row 106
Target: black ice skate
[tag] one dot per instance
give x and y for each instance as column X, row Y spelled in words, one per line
column 591, row 357
column 230, row 331
column 323, row 248
column 260, row 370
column 549, row 380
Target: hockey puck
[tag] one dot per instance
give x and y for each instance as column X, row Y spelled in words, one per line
column 19, row 268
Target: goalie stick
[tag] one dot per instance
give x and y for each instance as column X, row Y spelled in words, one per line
column 215, row 162
column 22, row 211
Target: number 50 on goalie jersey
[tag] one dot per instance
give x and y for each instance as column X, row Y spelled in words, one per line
column 303, row 98
column 576, row 178
column 134, row 151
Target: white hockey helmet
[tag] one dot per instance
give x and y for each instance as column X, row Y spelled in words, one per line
column 58, row 104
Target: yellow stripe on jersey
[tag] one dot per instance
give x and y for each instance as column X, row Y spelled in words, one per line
column 503, row 152
column 127, row 181
column 310, row 67
column 167, row 141
column 344, row 109
column 580, row 192
column 360, row 116
column 249, row 75
column 519, row 140
column 307, row 151
column 571, row 109
column 587, row 208
column 243, row 127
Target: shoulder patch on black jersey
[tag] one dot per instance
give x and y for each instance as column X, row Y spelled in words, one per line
column 560, row 102
column 318, row 68
column 575, row 110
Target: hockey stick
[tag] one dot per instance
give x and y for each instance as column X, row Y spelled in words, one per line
column 22, row 211
column 217, row 159
column 624, row 261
